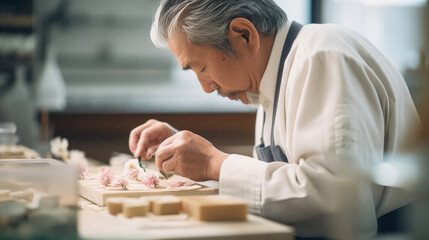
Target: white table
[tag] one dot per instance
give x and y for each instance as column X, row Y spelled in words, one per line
column 95, row 223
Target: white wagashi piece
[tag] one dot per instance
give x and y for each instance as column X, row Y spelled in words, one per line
column 26, row 195
column 165, row 205
column 4, row 194
column 135, row 207
column 118, row 160
column 115, row 205
column 59, row 148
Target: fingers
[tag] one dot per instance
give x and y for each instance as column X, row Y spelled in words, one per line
column 169, row 165
column 151, row 150
column 165, row 152
column 135, row 135
column 144, row 143
column 169, row 151
column 189, row 155
column 133, row 139
column 167, row 142
column 166, row 155
column 145, row 139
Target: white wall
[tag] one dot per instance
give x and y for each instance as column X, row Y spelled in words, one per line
column 298, row 10
column 109, row 62
column 395, row 27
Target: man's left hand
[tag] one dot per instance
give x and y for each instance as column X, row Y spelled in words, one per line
column 191, row 156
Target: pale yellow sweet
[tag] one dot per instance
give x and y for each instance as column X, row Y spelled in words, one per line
column 135, row 208
column 17, row 152
column 215, row 208
column 26, row 195
column 115, row 205
column 166, row 205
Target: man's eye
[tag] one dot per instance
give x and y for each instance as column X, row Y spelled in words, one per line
column 204, row 68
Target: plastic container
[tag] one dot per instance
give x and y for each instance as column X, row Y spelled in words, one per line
column 38, row 199
column 7, row 133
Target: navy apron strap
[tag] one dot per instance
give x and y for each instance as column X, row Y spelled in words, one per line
column 273, row 152
column 293, row 32
column 262, row 129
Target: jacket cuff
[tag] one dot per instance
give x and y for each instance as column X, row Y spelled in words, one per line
column 241, row 177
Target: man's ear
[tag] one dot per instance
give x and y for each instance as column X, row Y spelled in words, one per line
column 243, row 35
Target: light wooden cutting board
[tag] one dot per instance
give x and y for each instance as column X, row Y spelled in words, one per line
column 91, row 190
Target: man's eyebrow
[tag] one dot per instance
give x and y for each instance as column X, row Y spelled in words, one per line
column 187, row 67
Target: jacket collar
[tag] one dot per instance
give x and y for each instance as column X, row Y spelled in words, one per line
column 267, row 85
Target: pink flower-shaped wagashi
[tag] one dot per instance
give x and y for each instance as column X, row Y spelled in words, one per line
column 180, row 183
column 132, row 173
column 150, row 180
column 105, row 176
column 132, row 169
column 120, row 181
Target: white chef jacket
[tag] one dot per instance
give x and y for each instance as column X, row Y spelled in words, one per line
column 342, row 106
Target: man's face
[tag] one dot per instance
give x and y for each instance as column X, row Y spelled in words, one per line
column 231, row 77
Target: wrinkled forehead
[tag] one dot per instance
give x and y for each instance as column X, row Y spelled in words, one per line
column 187, row 53
column 179, row 43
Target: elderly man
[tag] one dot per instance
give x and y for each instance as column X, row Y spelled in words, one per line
column 329, row 103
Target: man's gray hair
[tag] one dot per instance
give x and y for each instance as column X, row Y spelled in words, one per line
column 206, row 22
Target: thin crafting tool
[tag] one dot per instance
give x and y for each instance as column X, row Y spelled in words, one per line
column 141, row 164
column 163, row 173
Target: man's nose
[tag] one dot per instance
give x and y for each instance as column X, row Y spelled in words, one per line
column 208, row 86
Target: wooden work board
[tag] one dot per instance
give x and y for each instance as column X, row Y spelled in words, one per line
column 94, row 192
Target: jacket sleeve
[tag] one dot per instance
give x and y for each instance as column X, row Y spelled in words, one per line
column 334, row 128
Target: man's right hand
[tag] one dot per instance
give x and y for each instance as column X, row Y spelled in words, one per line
column 145, row 139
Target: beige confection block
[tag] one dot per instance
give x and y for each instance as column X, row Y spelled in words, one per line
column 115, row 205
column 166, row 205
column 215, row 208
column 4, row 194
column 150, row 200
column 135, row 208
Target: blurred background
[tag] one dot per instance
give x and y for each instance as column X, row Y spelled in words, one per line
column 86, row 70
